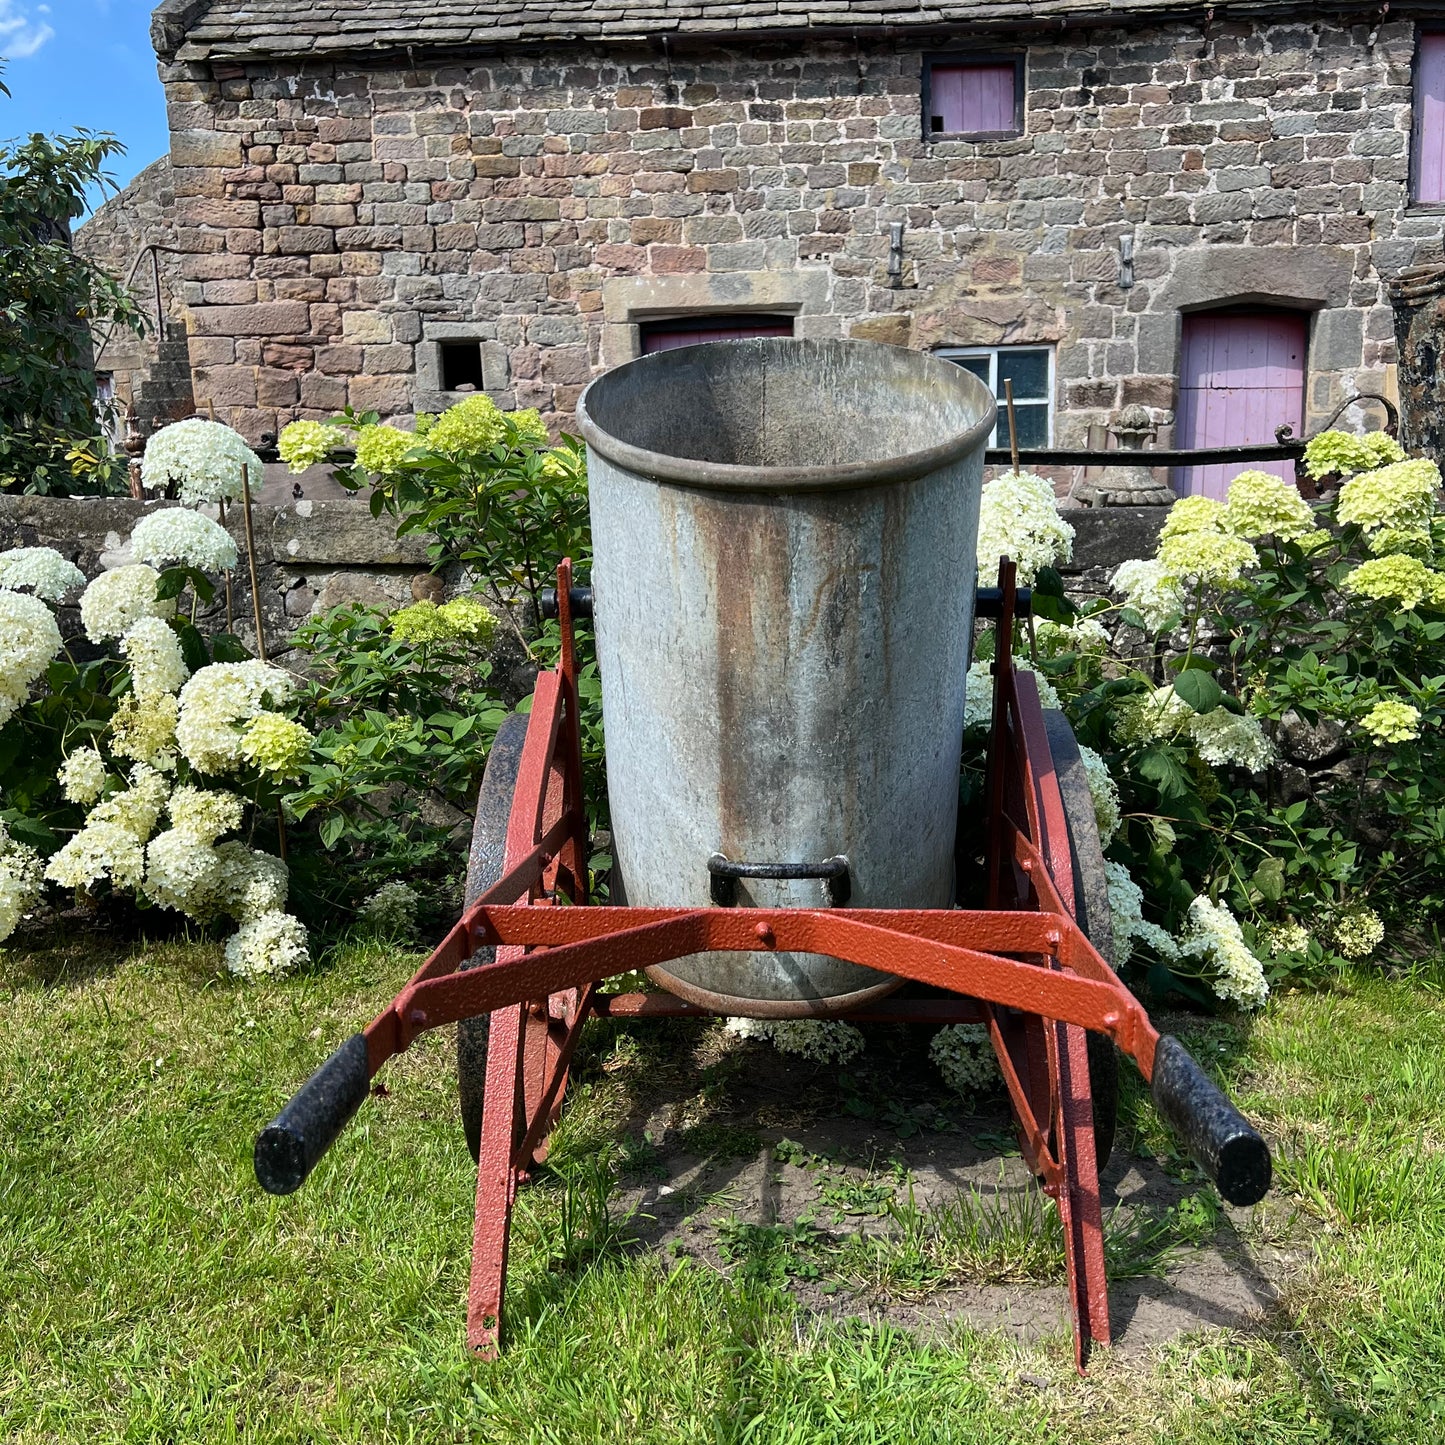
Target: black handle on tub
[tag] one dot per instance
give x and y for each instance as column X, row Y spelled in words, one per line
column 988, row 602
column 291, row 1145
column 723, row 884
column 580, row 599
column 1224, row 1144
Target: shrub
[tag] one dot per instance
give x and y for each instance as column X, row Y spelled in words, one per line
column 1256, row 619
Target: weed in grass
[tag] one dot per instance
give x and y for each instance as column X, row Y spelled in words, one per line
column 771, row 1254
column 720, row 1141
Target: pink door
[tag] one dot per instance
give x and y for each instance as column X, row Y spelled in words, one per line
column 1241, row 375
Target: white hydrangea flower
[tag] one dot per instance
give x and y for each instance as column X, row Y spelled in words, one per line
column 184, row 873
column 1359, row 933
column 138, row 807
column 82, row 776
column 1223, row 738
column 203, row 457
column 116, row 600
column 1287, row 937
column 1104, row 791
column 29, row 641
column 21, row 880
column 99, row 850
column 252, row 882
column 1126, row 910
column 821, row 1040
column 1212, row 935
column 963, row 1054
column 40, row 569
column 206, row 813
column 157, row 664
column 216, row 702
column 1151, row 717
column 1084, row 634
column 273, row 943
column 978, row 691
column 1153, row 592
column 391, row 909
column 1019, row 518
column 177, row 536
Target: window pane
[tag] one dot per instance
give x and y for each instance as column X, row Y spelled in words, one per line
column 1029, row 372
column 978, row 365
column 971, row 99
column 1032, row 422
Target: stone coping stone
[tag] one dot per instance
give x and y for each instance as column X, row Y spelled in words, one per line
column 340, row 533
column 1108, row 536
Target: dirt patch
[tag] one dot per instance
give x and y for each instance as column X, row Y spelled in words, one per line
column 870, row 1191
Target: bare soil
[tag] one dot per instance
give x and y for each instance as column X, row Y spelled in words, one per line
column 723, row 1134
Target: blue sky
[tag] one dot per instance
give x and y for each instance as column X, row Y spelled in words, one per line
column 84, row 64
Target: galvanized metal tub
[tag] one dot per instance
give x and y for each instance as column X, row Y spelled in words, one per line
column 783, row 586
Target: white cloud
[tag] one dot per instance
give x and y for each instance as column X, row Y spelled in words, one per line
column 20, row 36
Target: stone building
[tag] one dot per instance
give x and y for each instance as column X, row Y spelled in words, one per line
column 388, row 203
column 132, row 237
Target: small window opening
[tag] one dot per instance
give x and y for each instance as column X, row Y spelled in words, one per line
column 461, row 366
column 704, row 326
column 979, row 97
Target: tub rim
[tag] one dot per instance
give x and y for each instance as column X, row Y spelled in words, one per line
column 737, row 477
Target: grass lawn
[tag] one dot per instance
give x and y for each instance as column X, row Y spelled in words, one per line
column 151, row 1292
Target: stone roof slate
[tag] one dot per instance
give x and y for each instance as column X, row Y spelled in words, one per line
column 237, row 29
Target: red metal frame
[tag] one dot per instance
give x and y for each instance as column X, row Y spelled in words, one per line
column 1023, row 966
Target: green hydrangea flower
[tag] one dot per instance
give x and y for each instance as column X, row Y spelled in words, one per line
column 1259, row 504
column 473, row 425
column 463, row 618
column 1399, row 578
column 276, row 745
column 1193, row 514
column 306, row 443
column 380, row 448
column 1343, row 453
column 1392, row 722
column 1399, row 495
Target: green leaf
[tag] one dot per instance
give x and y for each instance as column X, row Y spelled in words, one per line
column 172, row 584
column 1269, row 879
column 333, row 825
column 1159, row 766
column 193, row 647
column 227, row 647
column 1199, row 690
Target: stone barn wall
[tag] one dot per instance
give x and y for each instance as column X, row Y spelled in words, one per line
column 152, row 373
column 343, row 218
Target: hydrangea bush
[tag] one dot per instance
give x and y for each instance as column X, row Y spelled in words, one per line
column 1258, row 617
column 130, row 769
column 488, row 485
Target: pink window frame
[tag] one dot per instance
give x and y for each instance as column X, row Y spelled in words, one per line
column 1427, row 150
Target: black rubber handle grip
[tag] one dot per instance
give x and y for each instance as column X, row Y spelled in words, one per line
column 291, row 1145
column 1219, row 1138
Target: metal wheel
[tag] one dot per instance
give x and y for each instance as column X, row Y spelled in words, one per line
column 484, row 868
column 1091, row 909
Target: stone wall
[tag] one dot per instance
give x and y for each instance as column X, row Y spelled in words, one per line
column 152, row 373
column 343, row 219
column 311, row 556
column 314, row 555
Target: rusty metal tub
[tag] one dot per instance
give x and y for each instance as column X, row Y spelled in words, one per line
column 783, row 588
